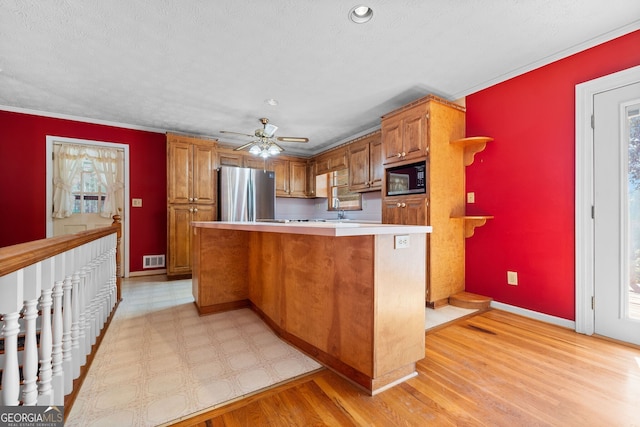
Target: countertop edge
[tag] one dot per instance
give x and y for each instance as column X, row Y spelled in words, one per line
column 335, row 229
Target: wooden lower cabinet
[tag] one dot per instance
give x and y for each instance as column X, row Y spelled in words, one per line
column 405, row 210
column 179, row 228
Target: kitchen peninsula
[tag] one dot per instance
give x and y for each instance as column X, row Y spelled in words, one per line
column 351, row 295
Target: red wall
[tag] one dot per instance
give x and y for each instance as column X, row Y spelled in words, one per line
column 23, row 169
column 525, row 177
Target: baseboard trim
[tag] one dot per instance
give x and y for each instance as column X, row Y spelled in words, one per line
column 147, row 273
column 535, row 315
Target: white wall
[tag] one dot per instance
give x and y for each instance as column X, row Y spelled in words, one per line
column 290, row 208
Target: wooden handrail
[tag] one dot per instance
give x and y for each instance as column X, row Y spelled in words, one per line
column 13, row 258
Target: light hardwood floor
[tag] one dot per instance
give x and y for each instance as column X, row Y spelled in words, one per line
column 493, row 369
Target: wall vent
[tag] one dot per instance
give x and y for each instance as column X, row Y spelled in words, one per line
column 153, row 261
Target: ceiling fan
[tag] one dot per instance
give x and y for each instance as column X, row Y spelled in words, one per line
column 265, row 143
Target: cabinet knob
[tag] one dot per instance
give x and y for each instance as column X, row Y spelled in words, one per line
column 426, row 150
column 191, row 199
column 404, row 205
column 399, row 204
column 195, row 199
column 404, row 154
column 398, row 155
column 195, row 210
column 190, row 209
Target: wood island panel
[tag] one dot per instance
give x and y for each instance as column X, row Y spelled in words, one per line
column 354, row 303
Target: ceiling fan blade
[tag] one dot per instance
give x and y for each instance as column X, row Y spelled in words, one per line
column 292, row 139
column 237, row 133
column 242, row 147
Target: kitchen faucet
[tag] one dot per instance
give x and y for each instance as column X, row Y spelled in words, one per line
column 336, row 205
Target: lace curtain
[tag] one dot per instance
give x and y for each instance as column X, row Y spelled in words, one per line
column 108, row 164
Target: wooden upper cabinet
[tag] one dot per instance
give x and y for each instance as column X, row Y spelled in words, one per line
column 298, row 185
column 190, row 170
column 179, row 167
column 365, row 163
column 281, row 168
column 227, row 157
column 256, row 162
column 332, row 160
column 203, row 178
column 405, row 134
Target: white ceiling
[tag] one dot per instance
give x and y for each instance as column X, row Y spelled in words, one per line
column 201, row 66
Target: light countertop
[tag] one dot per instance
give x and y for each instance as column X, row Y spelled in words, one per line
column 337, row 229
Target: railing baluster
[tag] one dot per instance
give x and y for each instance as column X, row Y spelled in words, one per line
column 45, row 395
column 32, row 291
column 71, row 279
column 58, row 325
column 11, row 287
column 67, row 311
column 76, row 296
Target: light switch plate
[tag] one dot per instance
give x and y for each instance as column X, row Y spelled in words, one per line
column 136, row 203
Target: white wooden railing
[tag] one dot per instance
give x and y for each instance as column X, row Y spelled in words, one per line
column 62, row 290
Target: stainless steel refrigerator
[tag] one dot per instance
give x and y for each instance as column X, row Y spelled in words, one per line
column 246, row 194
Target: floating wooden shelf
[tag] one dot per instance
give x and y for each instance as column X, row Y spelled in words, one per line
column 473, row 221
column 472, row 146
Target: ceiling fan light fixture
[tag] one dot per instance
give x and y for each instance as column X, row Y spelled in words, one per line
column 255, row 149
column 360, row 14
column 273, row 150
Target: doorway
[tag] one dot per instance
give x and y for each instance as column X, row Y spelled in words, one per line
column 608, row 206
column 88, row 196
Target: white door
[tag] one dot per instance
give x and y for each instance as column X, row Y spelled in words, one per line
column 617, row 213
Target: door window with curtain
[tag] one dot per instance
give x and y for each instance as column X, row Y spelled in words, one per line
column 87, row 180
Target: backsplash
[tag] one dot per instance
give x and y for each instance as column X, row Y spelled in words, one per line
column 292, row 208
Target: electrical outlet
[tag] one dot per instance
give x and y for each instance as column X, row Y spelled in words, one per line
column 401, row 242
column 512, row 278
column 136, row 203
column 471, row 197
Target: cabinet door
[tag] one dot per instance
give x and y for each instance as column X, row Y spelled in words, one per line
column 414, row 138
column 204, row 213
column 359, row 166
column 281, row 168
column 339, row 159
column 203, row 177
column 376, row 170
column 256, row 162
column 392, row 211
column 392, row 139
column 323, row 165
column 180, row 241
column 230, row 159
column 311, row 179
column 415, row 211
column 298, row 179
column 179, row 165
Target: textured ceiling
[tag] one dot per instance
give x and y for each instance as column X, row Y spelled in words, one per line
column 201, row 66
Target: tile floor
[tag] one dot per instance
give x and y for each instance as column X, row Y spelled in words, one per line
column 159, row 361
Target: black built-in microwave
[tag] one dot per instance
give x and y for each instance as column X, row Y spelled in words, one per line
column 407, row 179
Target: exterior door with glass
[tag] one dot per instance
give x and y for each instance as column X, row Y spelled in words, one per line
column 617, row 213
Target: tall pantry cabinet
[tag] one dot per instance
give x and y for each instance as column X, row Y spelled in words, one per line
column 423, row 131
column 191, row 196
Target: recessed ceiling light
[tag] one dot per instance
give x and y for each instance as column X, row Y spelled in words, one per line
column 271, row 101
column 360, row 14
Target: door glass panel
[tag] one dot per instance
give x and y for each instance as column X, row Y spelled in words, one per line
column 632, row 128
